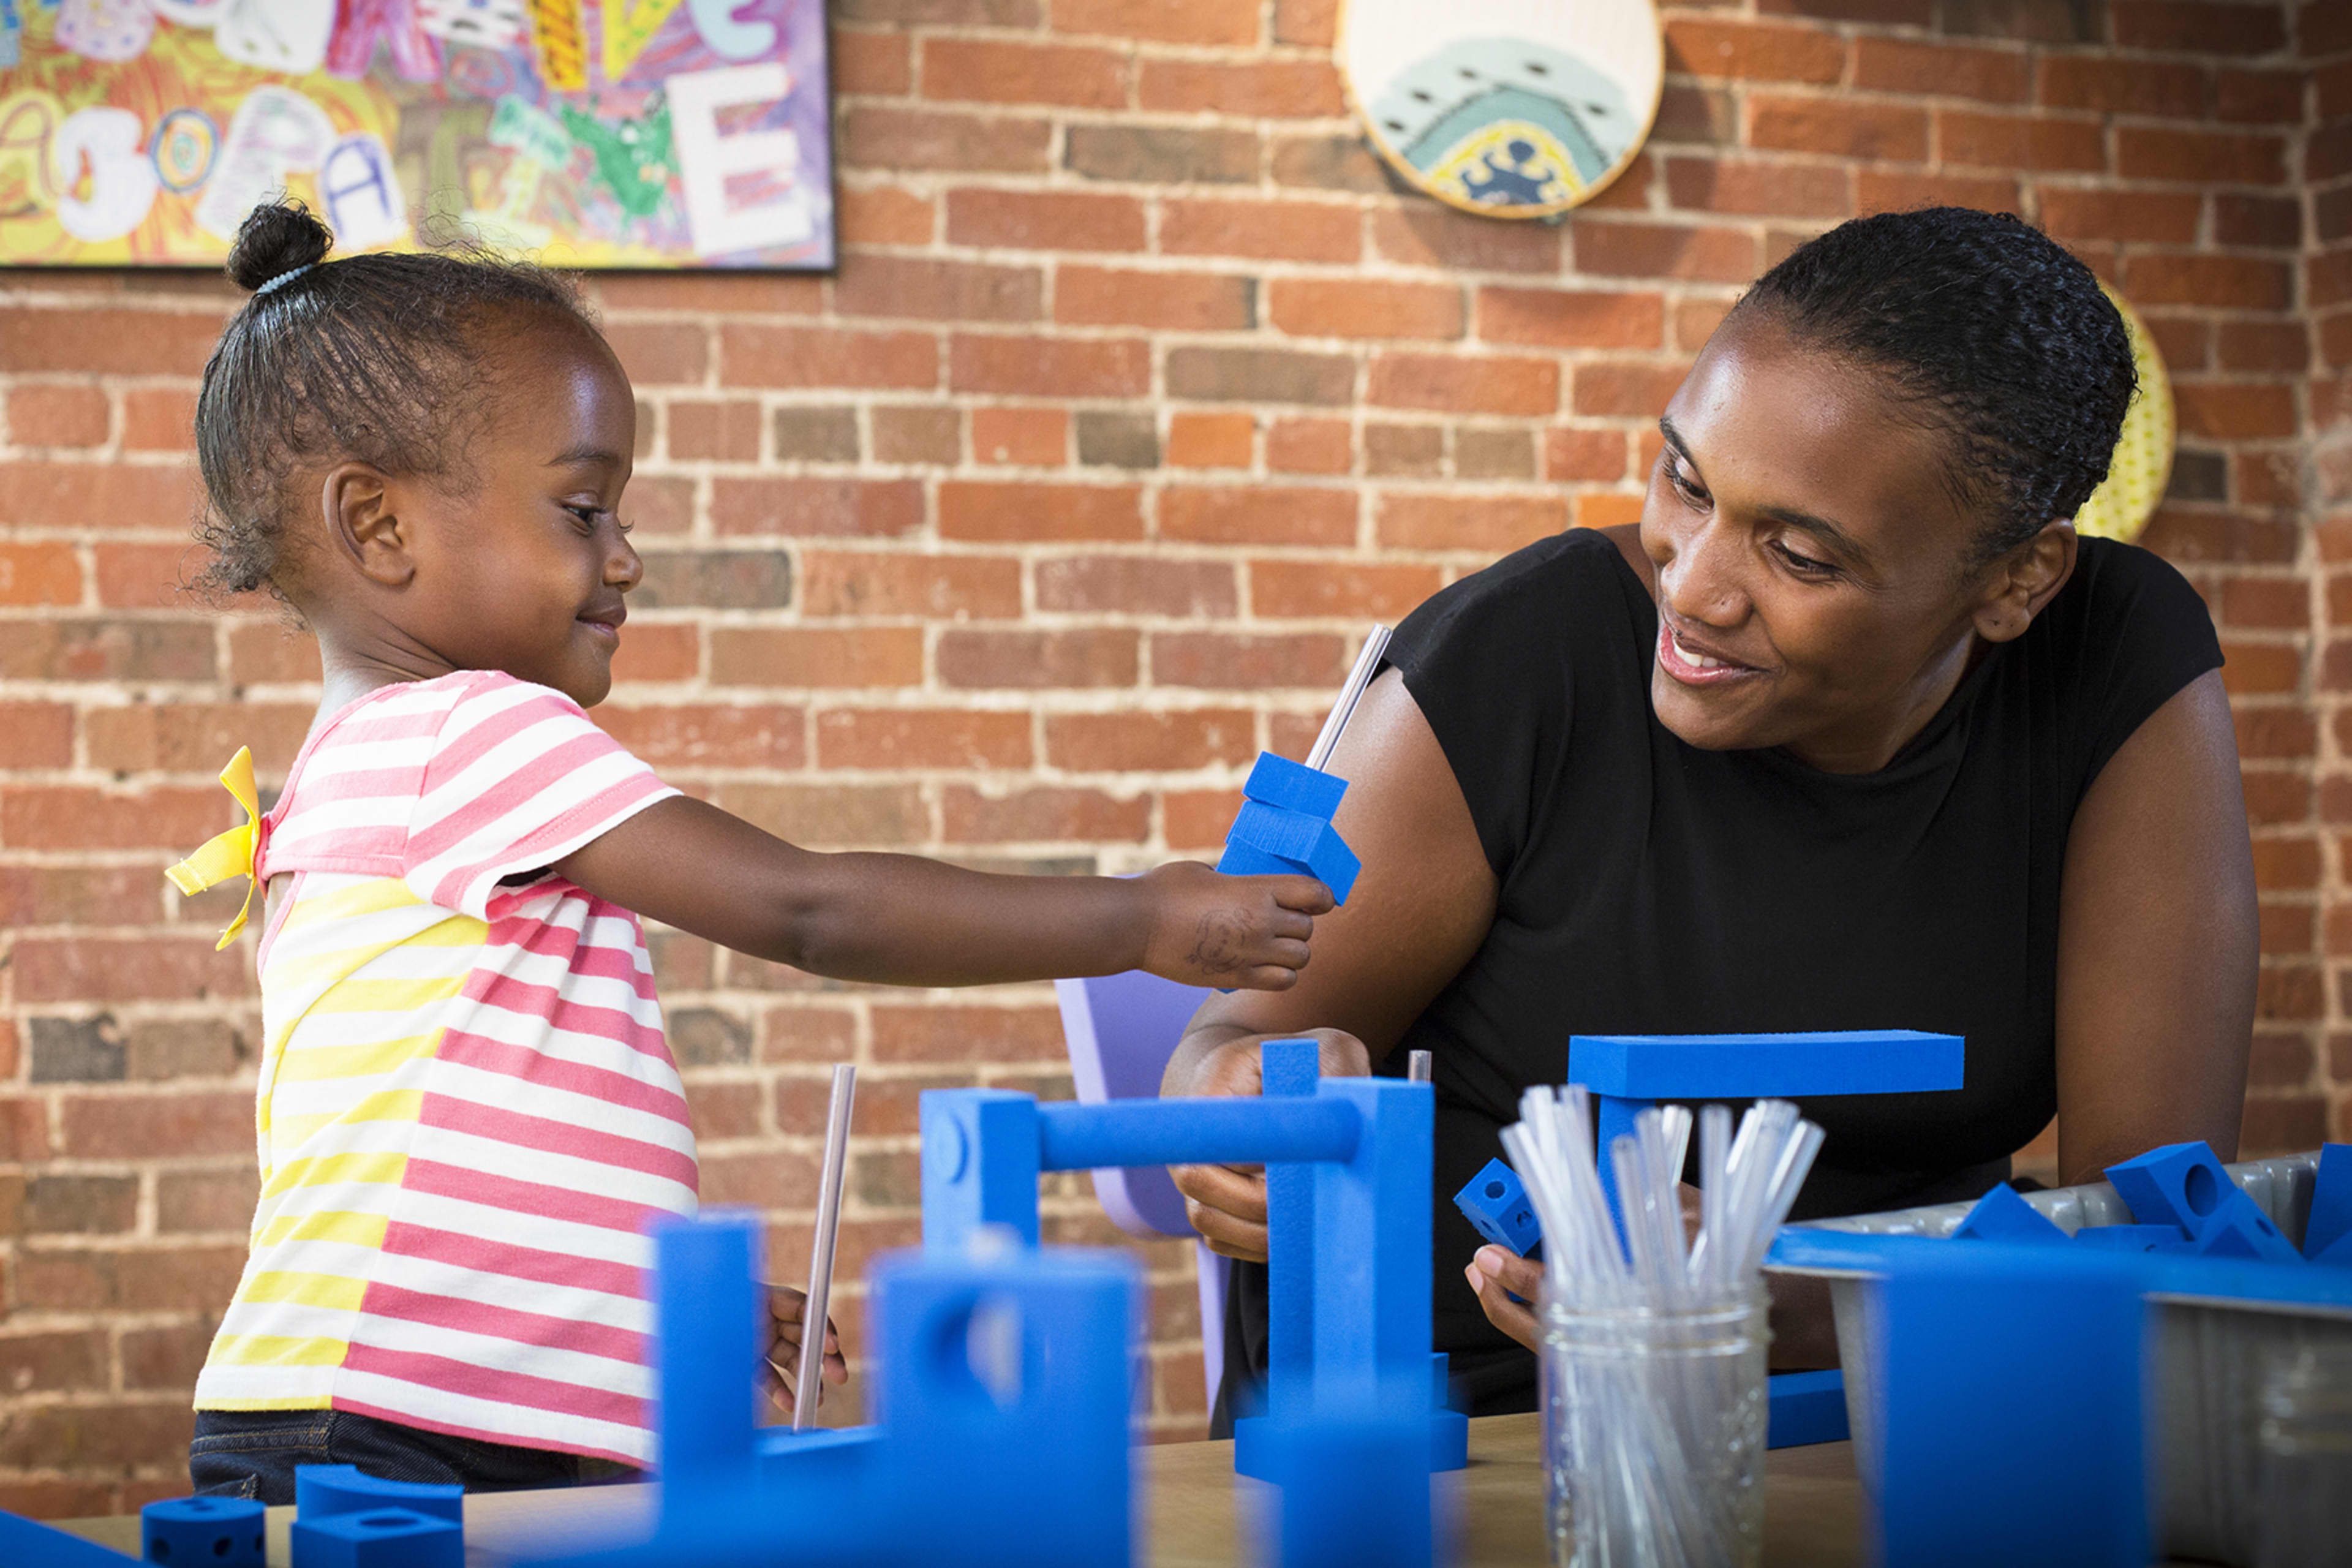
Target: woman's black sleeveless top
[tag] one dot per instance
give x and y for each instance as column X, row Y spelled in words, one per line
column 1649, row 888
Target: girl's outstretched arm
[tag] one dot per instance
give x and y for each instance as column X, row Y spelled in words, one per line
column 902, row 920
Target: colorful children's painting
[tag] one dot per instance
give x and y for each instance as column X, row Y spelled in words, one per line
column 589, row 133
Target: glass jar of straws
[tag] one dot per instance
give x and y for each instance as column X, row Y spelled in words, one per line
column 1653, row 1434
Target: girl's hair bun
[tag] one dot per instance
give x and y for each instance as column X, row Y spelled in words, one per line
column 275, row 238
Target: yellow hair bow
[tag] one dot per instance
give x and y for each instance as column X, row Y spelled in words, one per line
column 229, row 854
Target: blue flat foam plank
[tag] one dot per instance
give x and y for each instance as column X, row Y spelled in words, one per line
column 25, row 1544
column 1806, row 1407
column 1748, row 1066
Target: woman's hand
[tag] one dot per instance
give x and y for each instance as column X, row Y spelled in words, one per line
column 1226, row 1204
column 1497, row 1274
column 1245, row 933
column 787, row 1311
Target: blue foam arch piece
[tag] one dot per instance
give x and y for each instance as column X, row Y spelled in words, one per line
column 321, row 1491
column 1294, row 786
column 379, row 1538
column 2001, row 1215
column 2331, row 1200
column 1496, row 1205
column 228, row 1532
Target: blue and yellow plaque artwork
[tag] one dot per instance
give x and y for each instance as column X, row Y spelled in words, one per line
column 1508, row 107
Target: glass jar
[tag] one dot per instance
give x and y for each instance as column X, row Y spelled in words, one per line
column 2305, row 1459
column 1653, row 1434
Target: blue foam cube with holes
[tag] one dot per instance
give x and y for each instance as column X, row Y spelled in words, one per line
column 220, row 1531
column 1497, row 1207
column 2180, row 1184
column 379, row 1538
column 2331, row 1200
column 2240, row 1228
column 2001, row 1215
column 321, row 1491
column 2133, row 1237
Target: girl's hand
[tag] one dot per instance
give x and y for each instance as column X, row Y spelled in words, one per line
column 1244, row 932
column 787, row 1309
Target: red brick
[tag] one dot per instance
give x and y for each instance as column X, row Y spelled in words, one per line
column 99, row 341
column 2119, row 86
column 2209, row 281
column 922, row 738
column 1324, row 590
column 989, row 70
column 1236, row 662
column 39, row 575
column 1006, row 509
column 1876, row 191
column 1044, row 815
column 1162, row 742
column 75, row 817
column 195, row 737
column 1311, row 22
column 726, row 432
column 40, row 735
column 806, row 507
column 138, row 1124
column 1838, row 126
column 1310, row 447
column 159, row 419
column 1049, row 367
column 1696, row 322
column 1941, row 70
column 58, row 416
column 831, row 815
column 1136, row 585
column 658, row 653
column 155, row 496
column 1767, row 188
column 1426, row 235
column 2285, row 864
column 2217, row 157
column 902, row 140
column 1250, row 514
column 877, row 64
column 2196, row 25
column 932, row 288
column 1650, row 251
column 1490, row 524
column 84, row 649
column 1274, row 231
column 1591, row 455
column 2019, row 141
column 2284, row 346
column 1333, row 307
column 1254, row 89
column 1175, row 301
column 660, row 353
column 271, row 654
column 1743, row 51
column 1162, row 21
column 934, row 1033
column 1464, row 384
column 936, row 587
column 807, row 657
column 885, row 214
column 1607, row 509
column 1577, row 318
column 1211, row 440
column 2260, row 97
column 754, row 356
column 1081, row 657
column 1626, row 390
column 1044, row 220
column 2255, row 667
column 1023, row 438
column 2163, row 217
column 737, row 734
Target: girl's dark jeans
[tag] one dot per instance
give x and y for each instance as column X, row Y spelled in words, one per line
column 252, row 1453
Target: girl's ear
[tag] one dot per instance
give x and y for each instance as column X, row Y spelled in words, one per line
column 2021, row 582
column 355, row 501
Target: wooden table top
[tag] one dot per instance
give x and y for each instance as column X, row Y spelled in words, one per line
column 1193, row 1500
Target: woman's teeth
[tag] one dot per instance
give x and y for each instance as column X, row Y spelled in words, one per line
column 1695, row 661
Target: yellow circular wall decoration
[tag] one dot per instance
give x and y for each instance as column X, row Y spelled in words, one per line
column 1505, row 108
column 2142, row 464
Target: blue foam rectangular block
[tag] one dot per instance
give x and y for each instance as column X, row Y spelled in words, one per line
column 1498, row 1208
column 2134, row 1237
column 1278, row 781
column 25, row 1544
column 1308, row 843
column 2331, row 1200
column 2180, row 1184
column 2240, row 1228
column 378, row 1538
column 1805, row 1408
column 2001, row 1215
column 1749, row 1067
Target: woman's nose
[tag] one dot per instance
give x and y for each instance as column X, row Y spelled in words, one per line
column 1700, row 581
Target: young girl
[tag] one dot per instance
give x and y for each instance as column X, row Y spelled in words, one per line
column 467, row 1108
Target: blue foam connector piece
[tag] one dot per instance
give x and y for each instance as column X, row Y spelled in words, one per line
column 1294, row 786
column 2240, row 1228
column 2001, row 1215
column 2134, row 1237
column 1304, row 842
column 321, row 1491
column 1805, row 1408
column 25, row 1544
column 226, row 1531
column 2178, row 1184
column 379, row 1538
column 1496, row 1205
column 2330, row 1218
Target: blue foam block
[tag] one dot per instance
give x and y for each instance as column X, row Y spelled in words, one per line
column 1308, row 843
column 1751, row 1066
column 2134, row 1237
column 1278, row 781
column 378, row 1538
column 2239, row 1228
column 1805, row 1408
column 321, row 1491
column 2180, row 1184
column 2001, row 1215
column 1497, row 1207
column 224, row 1531
column 2338, row 1256
column 25, row 1544
column 2331, row 1200
column 1355, row 1486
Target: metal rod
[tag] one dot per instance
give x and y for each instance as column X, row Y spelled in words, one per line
column 1367, row 661
column 1416, row 1066
column 828, row 1230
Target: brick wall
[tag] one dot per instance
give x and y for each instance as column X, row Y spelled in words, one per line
column 1139, row 393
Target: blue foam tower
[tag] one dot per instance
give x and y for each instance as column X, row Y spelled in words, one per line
column 1284, row 825
column 2001, row 1215
column 227, row 1532
column 2331, row 1202
column 1496, row 1205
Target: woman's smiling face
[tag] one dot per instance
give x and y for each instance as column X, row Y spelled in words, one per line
column 1816, row 581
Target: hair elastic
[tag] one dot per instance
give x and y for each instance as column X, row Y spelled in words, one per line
column 283, row 279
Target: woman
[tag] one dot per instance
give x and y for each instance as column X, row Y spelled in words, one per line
column 1851, row 732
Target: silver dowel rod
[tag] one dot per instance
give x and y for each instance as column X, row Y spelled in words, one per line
column 828, row 1230
column 1367, row 661
column 1416, row 1066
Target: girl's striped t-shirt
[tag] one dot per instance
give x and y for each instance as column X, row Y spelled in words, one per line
column 467, row 1111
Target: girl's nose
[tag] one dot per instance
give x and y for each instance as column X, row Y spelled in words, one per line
column 625, row 568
